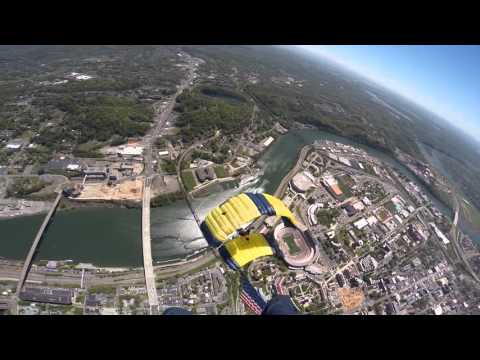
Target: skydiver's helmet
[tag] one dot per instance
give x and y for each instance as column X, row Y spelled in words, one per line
column 242, row 232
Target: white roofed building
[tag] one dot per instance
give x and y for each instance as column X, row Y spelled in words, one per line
column 268, row 141
column 368, row 263
column 360, row 224
column 130, row 150
column 358, row 205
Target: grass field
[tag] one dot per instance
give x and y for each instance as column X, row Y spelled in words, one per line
column 347, row 180
column 220, row 171
column 292, row 246
column 342, row 184
column 188, row 180
column 327, row 217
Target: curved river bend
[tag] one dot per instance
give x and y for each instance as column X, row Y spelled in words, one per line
column 112, row 236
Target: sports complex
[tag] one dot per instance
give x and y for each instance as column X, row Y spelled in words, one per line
column 295, row 246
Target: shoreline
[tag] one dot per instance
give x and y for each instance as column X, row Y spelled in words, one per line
column 197, row 254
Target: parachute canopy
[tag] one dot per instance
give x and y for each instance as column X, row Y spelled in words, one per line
column 223, row 222
column 226, row 222
column 245, row 249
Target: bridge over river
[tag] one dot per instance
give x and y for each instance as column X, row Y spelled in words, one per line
column 33, row 249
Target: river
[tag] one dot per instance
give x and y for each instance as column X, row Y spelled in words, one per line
column 112, row 236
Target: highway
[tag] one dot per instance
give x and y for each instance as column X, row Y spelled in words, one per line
column 10, row 272
column 160, row 121
column 456, row 247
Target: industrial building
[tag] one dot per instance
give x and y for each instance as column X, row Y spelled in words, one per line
column 129, row 151
column 47, row 295
column 96, row 172
column 64, row 164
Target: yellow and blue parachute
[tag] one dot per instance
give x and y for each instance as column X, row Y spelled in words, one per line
column 224, row 225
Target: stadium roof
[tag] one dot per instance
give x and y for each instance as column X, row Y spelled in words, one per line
column 301, row 182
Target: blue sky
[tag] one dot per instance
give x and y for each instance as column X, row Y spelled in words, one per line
column 444, row 79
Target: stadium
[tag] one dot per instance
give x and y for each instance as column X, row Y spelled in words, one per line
column 295, row 246
column 302, row 182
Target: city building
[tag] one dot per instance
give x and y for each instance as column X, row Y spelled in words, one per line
column 349, row 209
column 96, row 172
column 47, row 295
column 368, row 263
column 130, row 151
column 16, row 144
column 268, row 141
column 358, row 206
column 108, row 311
column 301, row 182
column 440, row 234
column 64, row 164
column 205, row 173
column 52, row 265
column 312, row 217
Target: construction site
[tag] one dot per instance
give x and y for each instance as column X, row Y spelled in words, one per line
column 123, row 190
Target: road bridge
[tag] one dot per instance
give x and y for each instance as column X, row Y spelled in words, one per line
column 147, row 249
column 160, row 121
column 28, row 262
column 454, row 234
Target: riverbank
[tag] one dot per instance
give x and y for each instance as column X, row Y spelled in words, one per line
column 109, row 235
column 12, row 208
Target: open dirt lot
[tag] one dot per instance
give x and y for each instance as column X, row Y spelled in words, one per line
column 127, row 190
column 351, row 298
column 164, row 184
